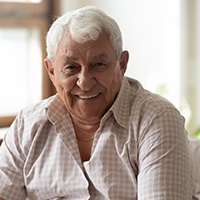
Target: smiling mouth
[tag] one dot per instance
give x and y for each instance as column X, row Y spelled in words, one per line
column 88, row 96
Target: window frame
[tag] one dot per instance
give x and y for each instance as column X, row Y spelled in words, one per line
column 27, row 15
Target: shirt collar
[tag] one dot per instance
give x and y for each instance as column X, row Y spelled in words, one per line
column 122, row 106
column 56, row 109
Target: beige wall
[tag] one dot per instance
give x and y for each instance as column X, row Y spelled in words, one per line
column 163, row 38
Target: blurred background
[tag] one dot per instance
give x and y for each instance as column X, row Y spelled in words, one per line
column 162, row 37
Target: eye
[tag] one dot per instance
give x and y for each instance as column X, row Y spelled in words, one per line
column 99, row 67
column 71, row 67
column 70, row 70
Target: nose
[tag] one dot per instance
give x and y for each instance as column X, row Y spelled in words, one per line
column 85, row 80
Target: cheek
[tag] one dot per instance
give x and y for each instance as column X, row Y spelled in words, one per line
column 64, row 87
column 64, row 84
column 113, row 85
column 60, row 86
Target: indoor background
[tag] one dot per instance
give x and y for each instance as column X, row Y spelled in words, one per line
column 162, row 37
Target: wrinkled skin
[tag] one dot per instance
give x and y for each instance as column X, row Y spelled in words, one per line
column 87, row 76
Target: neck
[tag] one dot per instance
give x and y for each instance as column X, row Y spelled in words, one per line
column 85, row 128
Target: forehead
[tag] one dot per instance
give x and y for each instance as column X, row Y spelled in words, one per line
column 101, row 56
column 100, row 47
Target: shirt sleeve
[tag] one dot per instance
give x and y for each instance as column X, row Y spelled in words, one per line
column 11, row 165
column 165, row 169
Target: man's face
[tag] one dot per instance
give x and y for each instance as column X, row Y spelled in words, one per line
column 87, row 76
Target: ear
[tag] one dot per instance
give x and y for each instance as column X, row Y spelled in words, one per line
column 124, row 61
column 50, row 69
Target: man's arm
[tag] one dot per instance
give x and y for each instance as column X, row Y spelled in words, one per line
column 1, row 198
column 12, row 162
column 165, row 168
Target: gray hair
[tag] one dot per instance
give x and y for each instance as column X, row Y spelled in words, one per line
column 83, row 25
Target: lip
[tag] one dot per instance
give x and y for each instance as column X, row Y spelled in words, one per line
column 87, row 96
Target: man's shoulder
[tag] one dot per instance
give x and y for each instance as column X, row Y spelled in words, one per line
column 37, row 110
column 40, row 105
column 153, row 100
column 145, row 101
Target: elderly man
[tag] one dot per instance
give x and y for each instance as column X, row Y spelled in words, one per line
column 102, row 136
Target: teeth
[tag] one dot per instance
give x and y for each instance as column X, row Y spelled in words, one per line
column 88, row 96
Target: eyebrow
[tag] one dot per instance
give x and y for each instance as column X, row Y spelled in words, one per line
column 70, row 58
column 102, row 55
